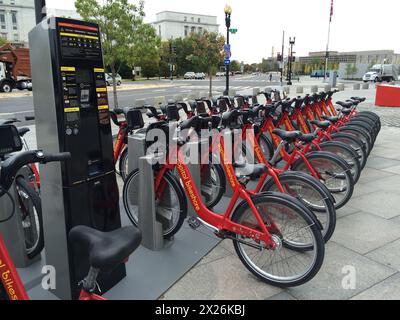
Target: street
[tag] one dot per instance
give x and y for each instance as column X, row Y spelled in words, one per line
column 20, row 104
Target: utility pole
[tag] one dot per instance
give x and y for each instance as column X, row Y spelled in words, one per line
column 228, row 13
column 329, row 38
column 283, row 55
column 292, row 43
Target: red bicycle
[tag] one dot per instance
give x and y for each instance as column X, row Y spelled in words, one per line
column 270, row 231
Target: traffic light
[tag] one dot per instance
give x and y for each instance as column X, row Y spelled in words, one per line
column 293, row 59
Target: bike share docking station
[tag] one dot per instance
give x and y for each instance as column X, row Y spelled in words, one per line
column 72, row 115
column 152, row 223
column 12, row 230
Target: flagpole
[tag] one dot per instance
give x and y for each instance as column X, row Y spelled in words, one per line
column 327, row 45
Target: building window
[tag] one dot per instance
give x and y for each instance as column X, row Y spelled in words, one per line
column 185, row 19
column 16, row 37
column 3, row 35
column 14, row 20
column 199, row 20
column 186, row 31
column 2, row 20
column 192, row 19
column 200, row 30
column 193, row 29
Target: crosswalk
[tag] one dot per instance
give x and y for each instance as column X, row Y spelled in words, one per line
column 187, row 89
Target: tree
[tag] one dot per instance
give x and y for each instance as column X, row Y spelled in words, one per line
column 235, row 66
column 147, row 51
column 120, row 24
column 2, row 41
column 206, row 52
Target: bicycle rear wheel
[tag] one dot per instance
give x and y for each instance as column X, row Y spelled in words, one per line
column 291, row 226
column 30, row 208
column 213, row 184
column 346, row 153
column 171, row 206
column 355, row 143
column 334, row 174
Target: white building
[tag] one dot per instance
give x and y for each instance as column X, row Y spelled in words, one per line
column 174, row 25
column 17, row 18
column 70, row 14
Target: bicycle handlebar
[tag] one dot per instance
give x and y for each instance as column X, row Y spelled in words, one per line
column 12, row 165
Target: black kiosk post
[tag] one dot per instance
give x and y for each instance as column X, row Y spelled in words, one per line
column 72, row 115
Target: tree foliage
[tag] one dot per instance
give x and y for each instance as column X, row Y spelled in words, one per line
column 2, row 41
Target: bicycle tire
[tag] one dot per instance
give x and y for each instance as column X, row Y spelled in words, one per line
column 123, row 164
column 353, row 142
column 38, row 246
column 173, row 182
column 346, row 153
column 305, row 216
column 214, row 198
column 360, row 134
column 344, row 175
column 327, row 206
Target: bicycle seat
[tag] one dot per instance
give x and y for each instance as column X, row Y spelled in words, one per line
column 324, row 125
column 358, row 99
column 289, row 136
column 346, row 105
column 190, row 123
column 308, row 138
column 106, row 250
column 333, row 120
column 346, row 112
column 230, row 117
column 253, row 171
column 23, row 131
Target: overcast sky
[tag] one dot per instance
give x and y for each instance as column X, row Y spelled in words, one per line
column 356, row 25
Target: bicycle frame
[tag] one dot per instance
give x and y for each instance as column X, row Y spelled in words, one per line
column 120, row 142
column 9, row 277
column 221, row 222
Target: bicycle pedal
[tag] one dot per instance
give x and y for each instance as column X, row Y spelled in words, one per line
column 194, row 223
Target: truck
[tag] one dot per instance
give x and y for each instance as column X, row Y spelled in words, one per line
column 381, row 72
column 15, row 69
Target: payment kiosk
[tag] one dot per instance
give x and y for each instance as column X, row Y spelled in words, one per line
column 72, row 115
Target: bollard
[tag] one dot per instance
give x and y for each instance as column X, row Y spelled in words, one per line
column 314, row 89
column 286, row 89
column 136, row 149
column 356, row 86
column 340, row 86
column 365, row 86
column 152, row 230
column 299, row 90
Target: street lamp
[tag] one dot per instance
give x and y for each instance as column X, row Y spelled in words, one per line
column 228, row 13
column 292, row 42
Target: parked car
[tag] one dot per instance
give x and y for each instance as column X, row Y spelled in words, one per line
column 200, row 76
column 189, row 75
column 220, row 74
column 109, row 79
column 238, row 72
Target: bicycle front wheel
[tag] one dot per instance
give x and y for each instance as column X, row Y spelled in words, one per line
column 333, row 172
column 291, row 227
column 171, row 205
column 30, row 208
column 312, row 193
